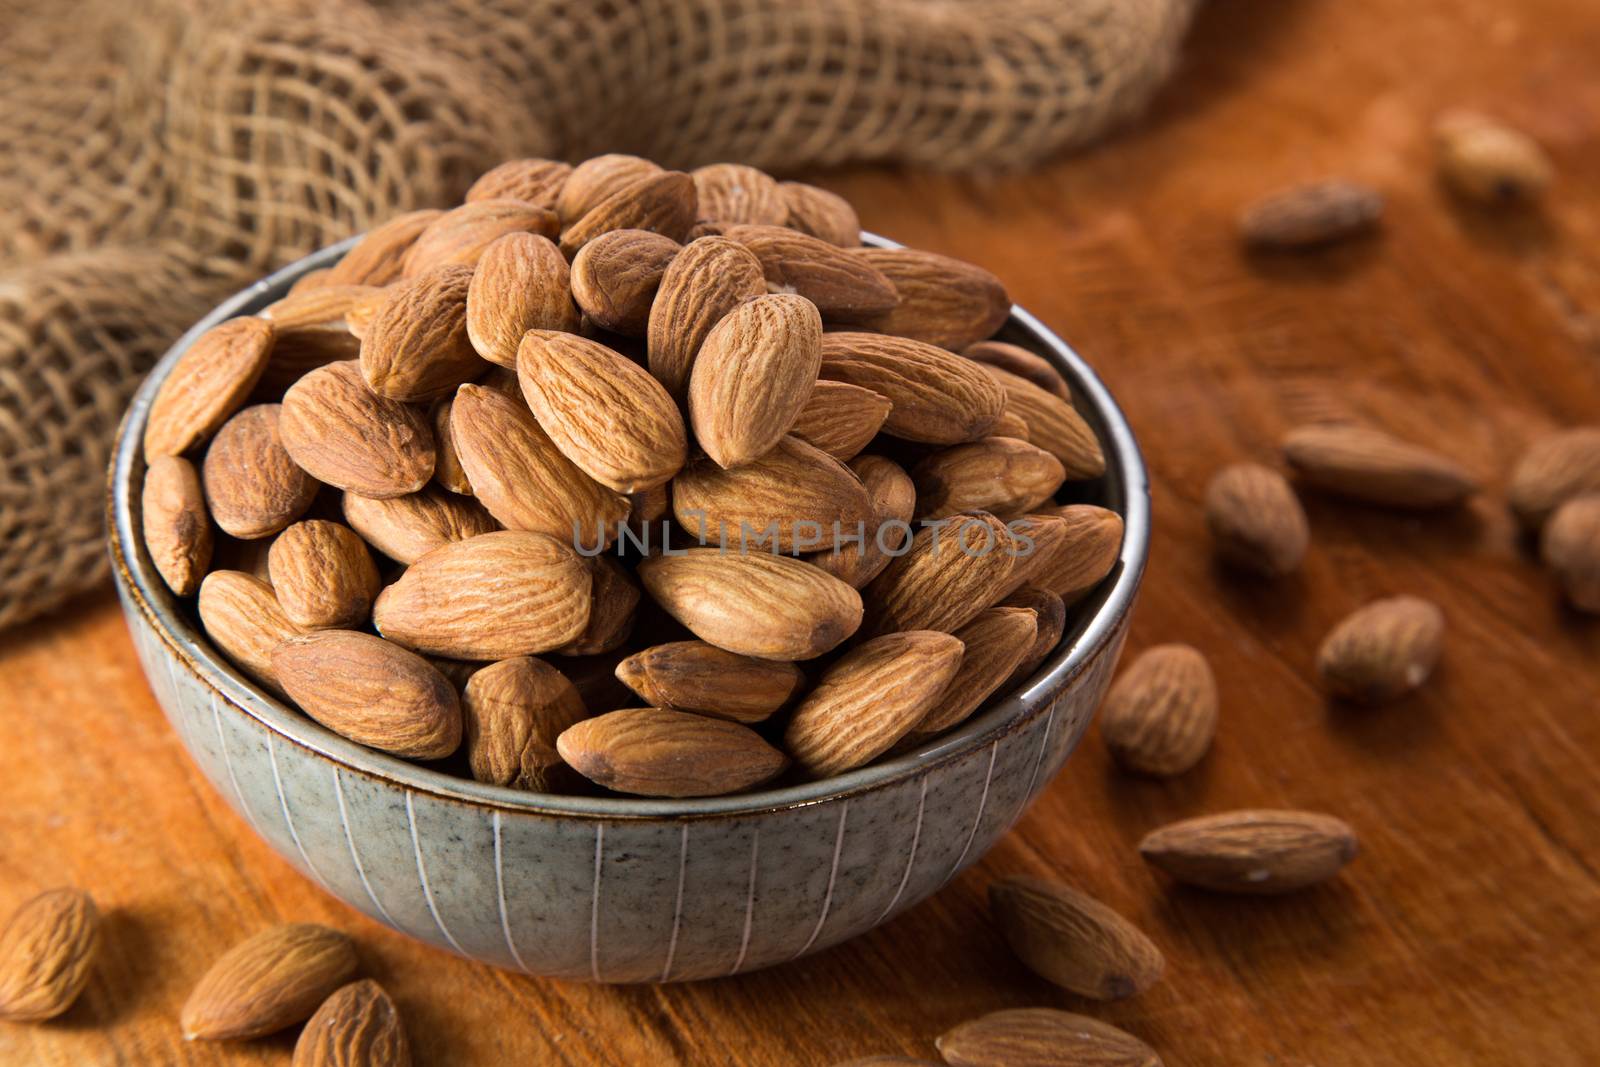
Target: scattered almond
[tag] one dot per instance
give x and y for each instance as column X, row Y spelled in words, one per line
column 358, row 1026
column 1309, row 216
column 1383, row 650
column 658, row 753
column 1571, row 548
column 1160, row 716
column 1073, row 940
column 272, row 980
column 1042, row 1037
column 1485, row 160
column 1256, row 520
column 1556, row 468
column 1258, row 852
column 1376, row 468
column 47, row 953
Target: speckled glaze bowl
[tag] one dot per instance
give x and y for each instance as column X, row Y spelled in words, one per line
column 620, row 890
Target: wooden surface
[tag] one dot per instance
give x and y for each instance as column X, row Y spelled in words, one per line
column 1468, row 932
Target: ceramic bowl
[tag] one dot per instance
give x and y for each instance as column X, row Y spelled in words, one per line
column 625, row 890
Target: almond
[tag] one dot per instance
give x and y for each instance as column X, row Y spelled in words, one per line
column 694, row 676
column 1308, row 216
column 596, row 179
column 313, row 279
column 821, row 214
column 893, row 499
column 298, row 351
column 1160, row 716
column 210, row 382
column 792, row 499
column 1085, row 556
column 1259, row 852
column 521, row 477
column 1073, row 940
column 615, row 278
column 614, row 597
column 770, row 607
column 494, row 596
column 938, row 398
column 536, row 181
column 1256, row 520
column 952, row 571
column 1017, row 360
column 522, row 283
column 1053, row 425
column 1042, row 1037
column 997, row 474
column 1489, row 162
column 662, row 202
column 1376, row 468
column 658, row 753
column 416, row 347
column 753, row 375
column 732, row 193
column 1050, row 616
column 603, row 411
column 1553, row 470
column 995, row 643
column 323, row 575
column 841, row 419
column 47, row 952
column 1383, row 650
column 356, row 1027
column 1011, row 425
column 1038, row 541
column 447, row 469
column 177, row 532
column 340, row 432
column 359, row 315
column 1571, row 547
column 252, row 486
column 242, row 617
column 461, row 235
column 324, row 305
column 378, row 257
column 514, row 710
column 272, row 980
column 406, row 528
column 943, row 301
column 870, row 699
column 705, row 281
column 844, row 287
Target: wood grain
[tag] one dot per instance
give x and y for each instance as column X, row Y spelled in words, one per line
column 1466, row 933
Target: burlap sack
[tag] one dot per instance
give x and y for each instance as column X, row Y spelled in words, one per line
column 160, row 153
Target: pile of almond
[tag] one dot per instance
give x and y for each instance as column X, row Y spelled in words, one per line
column 618, row 424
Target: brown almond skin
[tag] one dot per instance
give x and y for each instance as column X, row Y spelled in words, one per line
column 893, row 500
column 341, row 433
column 1073, row 940
column 1571, row 548
column 943, row 301
column 323, row 575
column 788, row 501
column 615, row 278
column 938, row 398
column 1014, row 359
column 1000, row 475
column 841, row 419
column 358, row 1026
column 241, row 615
column 1039, row 540
column 1383, row 650
column 1042, row 1037
column 995, row 643
column 269, row 981
column 770, row 607
column 870, row 699
column 490, row 597
column 843, row 286
column 603, row 411
column 177, row 530
column 1053, row 425
column 252, row 486
column 614, row 599
column 521, row 477
column 1310, row 216
column 698, row 677
column 753, row 375
column 378, row 257
column 948, row 575
column 324, row 305
column 821, row 214
column 706, row 280
column 1554, row 469
column 654, row 752
column 1260, row 852
column 1486, row 161
column 732, row 194
column 1256, row 521
column 416, row 347
column 1160, row 716
column 1376, row 468
column 1050, row 621
column 406, row 528
column 459, row 237
column 47, row 953
column 596, row 179
column 535, row 181
column 210, row 382
column 521, row 283
column 513, row 711
column 1086, row 555
column 661, row 202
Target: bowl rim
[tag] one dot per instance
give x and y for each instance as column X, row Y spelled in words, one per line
column 141, row 587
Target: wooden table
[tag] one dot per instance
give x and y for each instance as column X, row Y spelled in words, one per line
column 1468, row 932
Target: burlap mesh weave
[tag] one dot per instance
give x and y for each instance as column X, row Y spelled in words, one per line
column 158, row 154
